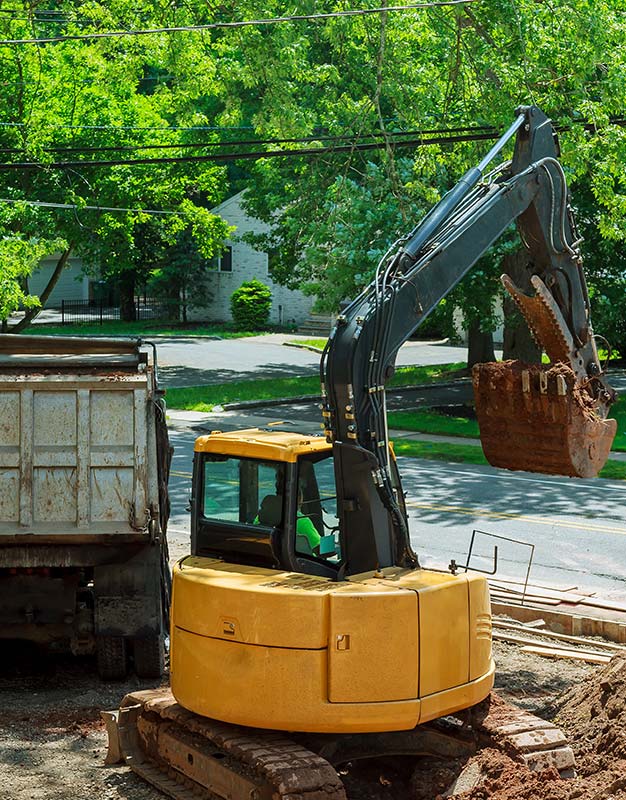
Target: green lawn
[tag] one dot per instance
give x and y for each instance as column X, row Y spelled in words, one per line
column 143, row 328
column 203, row 398
column 319, row 344
column 619, row 412
column 433, row 422
column 445, row 425
column 470, row 454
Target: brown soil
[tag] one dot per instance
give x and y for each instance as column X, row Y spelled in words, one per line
column 593, row 715
column 52, row 743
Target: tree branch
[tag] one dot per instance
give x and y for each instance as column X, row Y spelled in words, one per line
column 30, row 315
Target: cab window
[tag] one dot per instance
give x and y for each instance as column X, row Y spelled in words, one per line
column 317, row 521
column 242, row 490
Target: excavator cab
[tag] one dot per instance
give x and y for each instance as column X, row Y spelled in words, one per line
column 269, row 498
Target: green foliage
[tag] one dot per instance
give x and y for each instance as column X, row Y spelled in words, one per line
column 250, row 305
column 18, row 258
column 120, row 95
column 331, row 217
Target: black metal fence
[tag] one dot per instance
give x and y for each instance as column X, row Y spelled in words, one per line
column 74, row 312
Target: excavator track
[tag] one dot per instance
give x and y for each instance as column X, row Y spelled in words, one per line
column 189, row 757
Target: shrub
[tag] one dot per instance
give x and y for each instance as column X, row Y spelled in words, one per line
column 250, row 305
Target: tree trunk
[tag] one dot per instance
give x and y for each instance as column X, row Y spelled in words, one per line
column 479, row 345
column 43, row 297
column 183, row 298
column 518, row 340
column 128, row 310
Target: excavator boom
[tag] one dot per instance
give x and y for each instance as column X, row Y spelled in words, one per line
column 523, row 424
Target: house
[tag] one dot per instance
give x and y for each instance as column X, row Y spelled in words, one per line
column 241, row 262
column 72, row 285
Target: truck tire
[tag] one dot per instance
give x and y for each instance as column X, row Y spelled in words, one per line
column 149, row 654
column 111, row 657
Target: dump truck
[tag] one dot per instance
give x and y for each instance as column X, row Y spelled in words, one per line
column 84, row 461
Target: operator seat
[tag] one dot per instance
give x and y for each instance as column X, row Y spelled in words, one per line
column 271, row 510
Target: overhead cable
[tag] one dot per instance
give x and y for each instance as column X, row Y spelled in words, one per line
column 251, row 142
column 256, row 154
column 75, row 207
column 360, row 12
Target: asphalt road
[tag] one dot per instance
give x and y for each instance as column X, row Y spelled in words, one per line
column 578, row 527
column 195, row 361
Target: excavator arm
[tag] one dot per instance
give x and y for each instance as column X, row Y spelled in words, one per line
column 409, row 283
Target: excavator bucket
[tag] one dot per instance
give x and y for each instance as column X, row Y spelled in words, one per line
column 536, row 417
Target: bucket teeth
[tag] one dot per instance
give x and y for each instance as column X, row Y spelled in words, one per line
column 544, row 319
column 539, row 418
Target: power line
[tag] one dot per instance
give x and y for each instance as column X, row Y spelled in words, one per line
column 474, row 134
column 249, row 142
column 238, row 24
column 299, row 152
column 74, row 207
column 132, row 127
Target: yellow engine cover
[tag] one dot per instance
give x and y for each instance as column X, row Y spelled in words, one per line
column 296, row 652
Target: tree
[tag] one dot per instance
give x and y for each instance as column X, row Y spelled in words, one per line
column 76, row 101
column 181, row 274
column 444, row 68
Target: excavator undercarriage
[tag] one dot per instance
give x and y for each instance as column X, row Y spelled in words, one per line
column 190, row 757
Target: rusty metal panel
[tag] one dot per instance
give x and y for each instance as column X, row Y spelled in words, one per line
column 75, row 453
column 112, row 419
column 10, row 495
column 111, row 495
column 9, row 419
column 54, row 495
column 26, row 458
column 54, row 419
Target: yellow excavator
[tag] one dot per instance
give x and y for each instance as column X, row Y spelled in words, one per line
column 304, row 632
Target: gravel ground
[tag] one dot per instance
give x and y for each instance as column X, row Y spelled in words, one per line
column 53, row 744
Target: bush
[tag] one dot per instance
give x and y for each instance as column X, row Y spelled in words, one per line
column 250, row 306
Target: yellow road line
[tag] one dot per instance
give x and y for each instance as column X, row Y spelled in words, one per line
column 481, row 512
column 180, row 474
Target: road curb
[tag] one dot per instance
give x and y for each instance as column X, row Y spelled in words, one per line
column 312, row 398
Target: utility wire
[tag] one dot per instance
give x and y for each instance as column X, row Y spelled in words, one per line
column 74, row 207
column 132, row 127
column 294, row 153
column 299, row 152
column 250, row 142
column 360, row 12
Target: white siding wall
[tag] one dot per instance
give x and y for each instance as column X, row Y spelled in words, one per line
column 72, row 284
column 248, row 263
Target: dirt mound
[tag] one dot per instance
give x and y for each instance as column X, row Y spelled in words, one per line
column 594, row 713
